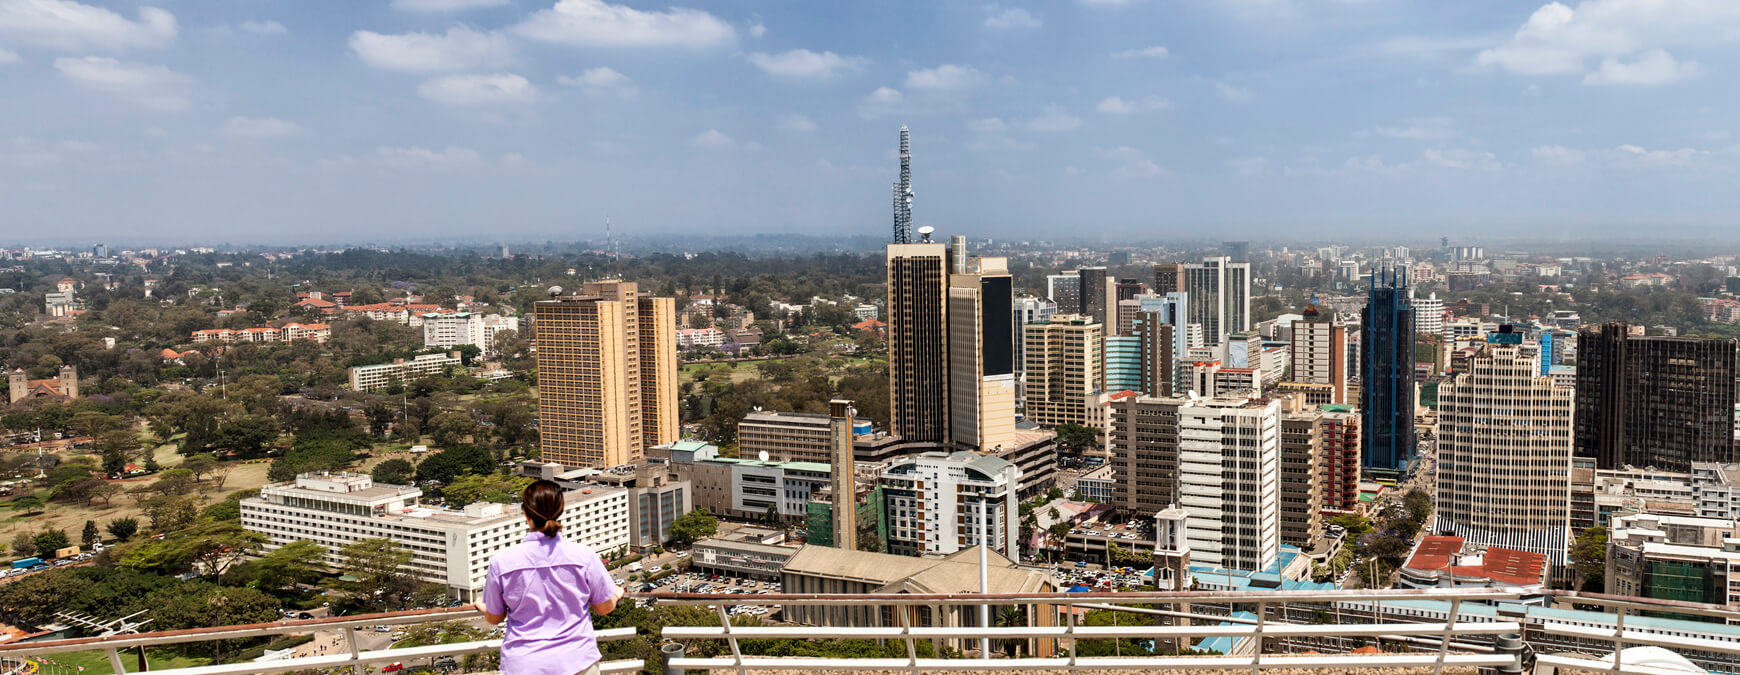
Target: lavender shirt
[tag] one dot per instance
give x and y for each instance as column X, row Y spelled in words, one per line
column 546, row 586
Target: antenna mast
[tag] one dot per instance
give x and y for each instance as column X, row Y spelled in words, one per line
column 903, row 191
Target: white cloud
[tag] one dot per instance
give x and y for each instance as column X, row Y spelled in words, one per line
column 1249, row 166
column 594, row 23
column 796, row 123
column 1627, row 38
column 1635, row 156
column 152, row 86
column 259, row 127
column 1133, row 163
column 64, row 24
column 1118, row 106
column 1421, row 129
column 883, row 101
column 601, row 80
column 1457, row 158
column 1652, row 67
column 1055, row 119
column 460, row 48
column 267, row 27
column 988, row 125
column 7, row 56
column 757, row 29
column 1154, row 52
column 712, row 139
column 807, row 65
column 445, row 5
column 1558, row 154
column 944, row 77
column 467, row 90
column 1232, row 93
column 1013, row 18
column 419, row 157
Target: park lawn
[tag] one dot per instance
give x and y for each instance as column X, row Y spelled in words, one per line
column 741, row 371
column 97, row 662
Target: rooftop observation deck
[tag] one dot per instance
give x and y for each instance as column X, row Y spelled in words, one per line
column 1257, row 631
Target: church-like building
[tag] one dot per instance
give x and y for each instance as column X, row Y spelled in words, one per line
column 63, row 387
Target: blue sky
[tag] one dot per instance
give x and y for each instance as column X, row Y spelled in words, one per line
column 383, row 120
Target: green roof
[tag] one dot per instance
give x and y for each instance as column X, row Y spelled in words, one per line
column 1337, row 408
column 794, row 466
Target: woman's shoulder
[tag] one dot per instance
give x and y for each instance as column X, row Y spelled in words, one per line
column 578, row 551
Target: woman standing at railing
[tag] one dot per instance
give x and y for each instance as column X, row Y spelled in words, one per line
column 542, row 588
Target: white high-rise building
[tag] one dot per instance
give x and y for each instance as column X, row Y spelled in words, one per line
column 1229, row 480
column 932, row 503
column 1504, row 452
column 451, row 329
column 448, row 546
column 1428, row 315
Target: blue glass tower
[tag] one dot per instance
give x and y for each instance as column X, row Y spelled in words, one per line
column 1387, row 375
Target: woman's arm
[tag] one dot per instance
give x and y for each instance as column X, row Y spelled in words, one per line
column 609, row 606
column 493, row 619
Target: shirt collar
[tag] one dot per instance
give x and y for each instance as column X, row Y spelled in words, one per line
column 535, row 535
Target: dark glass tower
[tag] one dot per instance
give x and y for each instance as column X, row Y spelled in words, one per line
column 1654, row 401
column 1387, row 374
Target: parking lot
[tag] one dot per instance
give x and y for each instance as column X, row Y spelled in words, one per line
column 1100, row 578
column 696, row 582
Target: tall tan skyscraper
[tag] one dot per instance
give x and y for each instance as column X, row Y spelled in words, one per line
column 607, row 374
column 1504, row 452
column 981, row 356
column 1319, row 351
column 918, row 358
column 1065, row 366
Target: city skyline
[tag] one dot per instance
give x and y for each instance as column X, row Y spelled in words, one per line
column 530, row 120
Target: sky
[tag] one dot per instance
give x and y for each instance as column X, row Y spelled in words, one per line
column 523, row 120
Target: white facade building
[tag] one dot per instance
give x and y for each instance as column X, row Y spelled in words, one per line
column 378, row 376
column 446, row 330
column 1229, row 481
column 1429, row 315
column 448, row 547
column 691, row 338
column 932, row 503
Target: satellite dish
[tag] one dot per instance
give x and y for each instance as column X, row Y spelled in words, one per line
column 763, row 455
column 554, row 291
column 924, row 232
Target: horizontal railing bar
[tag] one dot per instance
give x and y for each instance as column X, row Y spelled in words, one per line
column 1134, row 597
column 1630, row 602
column 1097, row 663
column 1084, row 632
column 245, row 630
column 1636, row 637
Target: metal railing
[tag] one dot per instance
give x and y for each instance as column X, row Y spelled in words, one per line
column 1062, row 640
column 1268, row 639
column 352, row 657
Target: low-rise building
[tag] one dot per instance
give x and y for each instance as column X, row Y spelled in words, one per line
column 446, row 330
column 1442, row 562
column 1680, row 558
column 750, row 488
column 741, row 559
column 1096, row 485
column 379, row 376
column 932, row 503
column 290, row 332
column 790, row 436
column 695, row 338
column 450, row 547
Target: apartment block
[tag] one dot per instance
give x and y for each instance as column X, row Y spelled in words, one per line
column 1301, row 491
column 402, row 371
column 607, row 370
column 789, row 436
column 932, row 504
column 1065, row 368
column 451, row 329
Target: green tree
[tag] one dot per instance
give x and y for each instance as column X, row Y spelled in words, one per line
column 301, row 561
column 372, row 574
column 394, row 472
column 114, row 462
column 248, row 435
column 1075, row 437
column 200, row 465
column 489, row 487
column 51, row 540
column 211, row 548
column 176, row 481
column 29, row 504
column 171, row 512
column 1589, row 559
column 24, row 544
column 692, row 526
column 91, row 535
column 123, row 528
column 451, row 428
column 451, row 463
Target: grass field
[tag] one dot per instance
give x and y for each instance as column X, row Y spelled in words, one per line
column 741, row 371
column 97, row 663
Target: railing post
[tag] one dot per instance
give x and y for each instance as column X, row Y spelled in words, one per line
column 672, row 650
column 115, row 660
column 1618, row 634
column 1510, row 643
column 1072, row 625
column 1444, row 640
column 911, row 642
column 355, row 651
column 1257, row 657
column 736, row 651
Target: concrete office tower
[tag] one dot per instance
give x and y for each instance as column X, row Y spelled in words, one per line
column 981, row 356
column 1065, row 290
column 1168, row 278
column 1120, row 320
column 1301, row 478
column 1237, row 251
column 1098, row 293
column 903, row 191
column 1026, row 311
column 842, row 469
column 1428, row 315
column 1339, row 461
column 1387, row 374
column 1319, row 351
column 1219, row 459
column 607, row 375
column 1504, row 452
column 918, row 341
column 1159, row 342
column 932, row 503
column 1220, row 296
column 1654, row 401
column 1065, row 368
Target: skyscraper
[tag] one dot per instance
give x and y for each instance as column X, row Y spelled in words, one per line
column 1065, row 291
column 1168, row 278
column 1220, row 296
column 1028, row 310
column 1387, row 374
column 1301, row 478
column 1097, row 293
column 981, row 355
column 607, row 374
column 1504, row 452
column 918, row 341
column 1319, row 353
column 1065, row 366
column 903, row 191
column 1654, row 401
column 842, row 469
column 1238, row 251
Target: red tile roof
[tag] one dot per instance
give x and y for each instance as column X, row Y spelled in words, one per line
column 1435, row 553
column 1522, row 568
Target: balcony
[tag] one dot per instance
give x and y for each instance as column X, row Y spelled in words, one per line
column 1296, row 631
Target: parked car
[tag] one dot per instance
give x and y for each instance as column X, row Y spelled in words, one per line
column 393, row 667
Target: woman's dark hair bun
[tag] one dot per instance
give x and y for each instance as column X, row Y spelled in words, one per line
column 543, row 504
